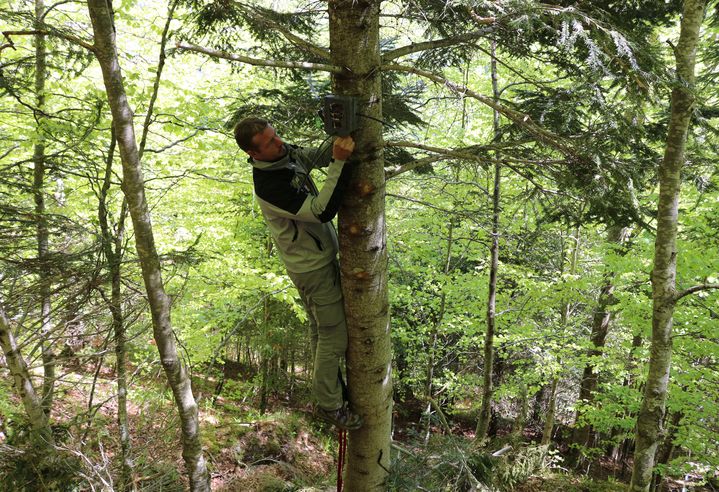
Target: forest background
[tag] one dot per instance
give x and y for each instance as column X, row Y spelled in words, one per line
column 505, row 220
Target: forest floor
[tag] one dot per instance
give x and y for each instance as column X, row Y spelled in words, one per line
column 281, row 449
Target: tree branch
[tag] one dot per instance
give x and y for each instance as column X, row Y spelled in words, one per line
column 439, row 43
column 466, row 154
column 445, row 154
column 460, row 153
column 292, row 38
column 176, row 142
column 54, row 6
column 258, row 62
column 520, row 119
column 158, row 76
column 692, row 290
column 9, row 151
column 480, row 21
column 397, row 170
column 35, row 32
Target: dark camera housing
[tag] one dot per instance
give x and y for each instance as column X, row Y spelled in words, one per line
column 339, row 114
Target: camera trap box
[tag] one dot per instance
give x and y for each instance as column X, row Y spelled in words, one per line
column 339, row 114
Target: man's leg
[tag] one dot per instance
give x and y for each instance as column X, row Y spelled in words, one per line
column 312, row 325
column 331, row 347
column 322, row 294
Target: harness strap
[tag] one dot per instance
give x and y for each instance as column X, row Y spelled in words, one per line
column 342, row 438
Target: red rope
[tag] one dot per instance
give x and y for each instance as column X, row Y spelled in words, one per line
column 342, row 438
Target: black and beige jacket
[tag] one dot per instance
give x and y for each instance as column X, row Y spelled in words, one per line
column 298, row 215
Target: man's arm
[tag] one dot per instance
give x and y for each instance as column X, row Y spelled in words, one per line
column 309, row 208
column 329, row 197
column 322, row 156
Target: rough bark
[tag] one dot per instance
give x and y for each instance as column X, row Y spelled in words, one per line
column 354, row 38
column 133, row 188
column 38, row 189
column 649, row 423
column 40, row 428
column 600, row 328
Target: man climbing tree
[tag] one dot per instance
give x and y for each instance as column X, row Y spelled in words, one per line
column 299, row 219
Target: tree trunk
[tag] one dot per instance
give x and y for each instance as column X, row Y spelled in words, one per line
column 354, row 41
column 649, row 423
column 263, row 382
column 551, row 411
column 537, row 407
column 581, row 437
column 429, row 389
column 521, row 420
column 38, row 188
column 485, row 412
column 666, row 452
column 133, row 188
column 112, row 247
column 41, row 434
column 564, row 313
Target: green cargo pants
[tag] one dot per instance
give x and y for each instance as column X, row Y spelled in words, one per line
column 321, row 293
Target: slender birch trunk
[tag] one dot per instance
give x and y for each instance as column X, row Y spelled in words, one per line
column 354, row 41
column 38, row 188
column 133, row 188
column 485, row 412
column 41, row 434
column 651, row 415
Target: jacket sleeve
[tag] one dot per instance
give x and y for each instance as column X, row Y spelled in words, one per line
column 315, row 157
column 309, row 208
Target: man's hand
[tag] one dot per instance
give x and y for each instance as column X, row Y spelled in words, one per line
column 342, row 148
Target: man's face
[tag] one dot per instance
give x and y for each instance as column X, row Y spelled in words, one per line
column 268, row 146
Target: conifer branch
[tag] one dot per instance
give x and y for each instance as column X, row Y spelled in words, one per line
column 45, row 32
column 439, row 43
column 401, row 169
column 460, row 153
column 465, row 155
column 258, row 62
column 292, row 38
column 520, row 119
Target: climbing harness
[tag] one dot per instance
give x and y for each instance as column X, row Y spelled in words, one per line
column 342, row 438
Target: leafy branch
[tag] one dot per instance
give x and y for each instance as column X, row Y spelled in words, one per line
column 694, row 290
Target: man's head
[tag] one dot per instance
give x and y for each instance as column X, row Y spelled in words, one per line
column 259, row 140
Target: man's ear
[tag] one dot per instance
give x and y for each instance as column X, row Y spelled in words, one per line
column 251, row 153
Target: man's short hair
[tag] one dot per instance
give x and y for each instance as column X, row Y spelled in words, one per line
column 246, row 129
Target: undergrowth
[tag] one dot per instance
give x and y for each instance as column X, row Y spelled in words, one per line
column 450, row 463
